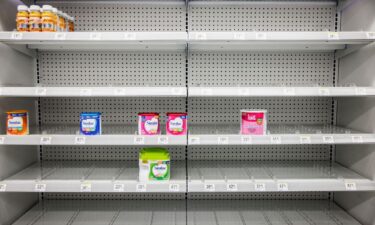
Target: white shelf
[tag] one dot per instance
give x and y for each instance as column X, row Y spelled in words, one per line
column 273, row 176
column 280, row 91
column 111, row 135
column 93, row 91
column 96, row 176
column 97, row 40
column 267, row 212
column 228, row 134
column 277, row 40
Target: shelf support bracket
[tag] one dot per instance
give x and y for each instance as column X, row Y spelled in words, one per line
column 23, row 49
column 350, row 49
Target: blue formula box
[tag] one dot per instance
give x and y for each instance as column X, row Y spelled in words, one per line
column 90, row 123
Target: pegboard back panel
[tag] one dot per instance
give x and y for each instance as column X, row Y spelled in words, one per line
column 136, row 16
column 115, row 111
column 112, row 196
column 262, row 16
column 260, row 69
column 259, row 153
column 261, row 196
column 280, row 110
column 112, row 68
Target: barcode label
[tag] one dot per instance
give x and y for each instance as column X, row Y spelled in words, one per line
column 17, row 36
column 305, row 140
column 201, row 36
column 174, row 187
column 130, row 36
column 80, row 140
column 282, row 187
column 209, row 187
column 246, row 140
column 357, row 139
column 139, row 140
column 223, row 140
column 3, row 187
column 275, row 140
column 119, row 91
column 95, row 36
column 40, row 187
column 141, row 187
column 360, row 91
column 328, row 139
column 2, row 140
column 41, row 91
column 371, row 35
column 243, row 91
column 206, row 91
column 60, row 36
column 119, row 187
column 289, row 91
column 232, row 187
column 350, row 186
column 86, row 187
column 163, row 140
column 45, row 140
column 260, row 187
column 85, row 92
column 333, row 36
column 239, row 36
column 324, row 91
column 261, row 36
column 177, row 91
column 195, row 140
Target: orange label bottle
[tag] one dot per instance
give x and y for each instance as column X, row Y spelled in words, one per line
column 48, row 19
column 61, row 23
column 35, row 19
column 22, row 18
column 71, row 24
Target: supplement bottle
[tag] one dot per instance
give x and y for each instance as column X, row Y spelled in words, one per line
column 71, row 24
column 22, row 18
column 61, row 23
column 48, row 19
column 55, row 13
column 35, row 19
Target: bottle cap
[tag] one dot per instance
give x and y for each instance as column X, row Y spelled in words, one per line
column 22, row 8
column 34, row 8
column 54, row 10
column 47, row 8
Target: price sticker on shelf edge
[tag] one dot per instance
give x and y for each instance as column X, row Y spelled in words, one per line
column 350, row 186
column 223, row 140
column 246, row 140
column 195, row 140
column 41, row 91
column 243, row 91
column 328, row 139
column 3, row 187
column 201, row 36
column 119, row 91
column 60, row 36
column 357, row 139
column 282, row 187
column 130, row 36
column 206, row 91
column 305, row 139
column 261, row 36
column 323, row 91
column 232, row 187
column 86, row 187
column 85, row 92
column 371, row 35
column 333, row 36
column 260, row 187
column 139, row 140
column 95, row 36
column 174, row 187
column 118, row 187
column 163, row 140
column 360, row 91
column 45, row 140
column 177, row 91
column 209, row 187
column 17, row 36
column 80, row 140
column 141, row 187
column 289, row 91
column 239, row 36
column 40, row 187
column 275, row 140
column 2, row 140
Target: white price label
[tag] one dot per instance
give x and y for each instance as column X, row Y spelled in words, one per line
column 2, row 140
column 40, row 187
column 328, row 139
column 80, row 140
column 85, row 92
column 3, row 187
column 60, row 36
column 95, row 36
column 305, row 139
column 261, row 36
column 324, row 91
column 119, row 91
column 371, row 35
column 41, row 91
column 17, row 36
column 275, row 140
column 223, row 140
column 209, row 187
column 139, row 140
column 130, row 36
column 289, row 91
column 177, row 91
column 163, row 140
column 260, row 187
column 45, row 140
column 86, row 187
column 206, row 91
column 239, row 36
column 141, row 187
column 360, row 91
column 357, row 139
column 201, row 36
column 174, row 187
column 119, row 187
column 232, row 187
column 243, row 91
column 333, row 36
column 246, row 140
column 350, row 186
column 195, row 140
column 282, row 187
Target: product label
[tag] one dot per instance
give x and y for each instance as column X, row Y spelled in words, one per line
column 15, row 123
column 177, row 125
column 253, row 123
column 90, row 124
column 159, row 170
column 149, row 125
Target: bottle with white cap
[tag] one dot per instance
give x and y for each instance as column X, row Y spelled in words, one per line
column 22, row 18
column 35, row 19
column 56, row 15
column 48, row 19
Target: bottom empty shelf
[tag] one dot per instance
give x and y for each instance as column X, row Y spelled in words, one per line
column 199, row 212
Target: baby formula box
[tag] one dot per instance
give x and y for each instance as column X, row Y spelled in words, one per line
column 17, row 122
column 254, row 122
column 154, row 164
column 90, row 123
column 176, row 123
column 148, row 123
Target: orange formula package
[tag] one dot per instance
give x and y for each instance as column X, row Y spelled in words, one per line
column 18, row 122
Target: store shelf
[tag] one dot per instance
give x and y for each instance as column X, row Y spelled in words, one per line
column 114, row 212
column 111, row 135
column 95, row 176
column 267, row 212
column 280, row 91
column 277, row 40
column 93, row 91
column 273, row 176
column 228, row 134
column 97, row 40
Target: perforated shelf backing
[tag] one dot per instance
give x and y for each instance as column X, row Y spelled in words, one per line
column 262, row 196
column 260, row 69
column 112, row 68
column 262, row 16
column 125, row 15
column 111, row 196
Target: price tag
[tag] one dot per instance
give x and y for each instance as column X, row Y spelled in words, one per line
column 201, row 36
column 357, row 139
column 305, row 140
column 174, row 187
column 95, row 36
column 2, row 140
column 239, row 36
column 86, row 187
column 163, row 140
column 60, row 36
column 333, row 36
column 324, row 91
column 119, row 187
column 41, row 91
column 360, row 91
column 40, row 187
column 85, row 92
column 119, row 91
column 243, row 91
column 80, row 140
column 289, row 91
column 350, row 186
column 177, row 91
column 195, row 140
column 232, row 187
column 282, row 187
column 206, row 91
column 275, row 140
column 223, row 140
column 17, row 36
column 246, row 140
column 3, row 187
column 130, row 36
column 261, row 36
column 328, row 139
column 209, row 187
column 139, row 140
column 45, row 140
column 141, row 188
column 260, row 187
column 371, row 35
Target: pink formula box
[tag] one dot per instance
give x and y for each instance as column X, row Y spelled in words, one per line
column 148, row 123
column 176, row 123
column 254, row 122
